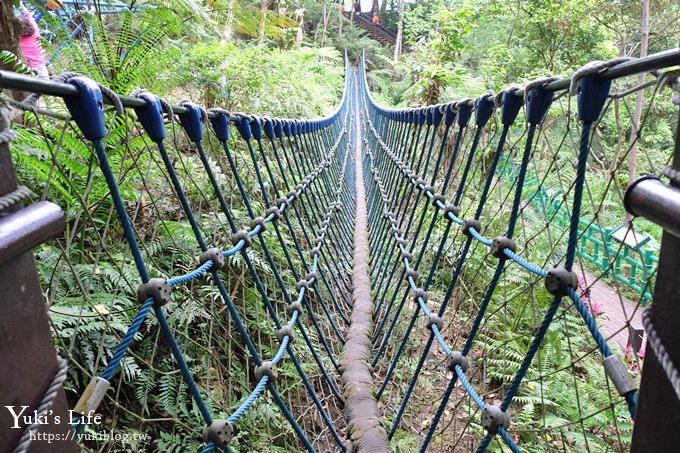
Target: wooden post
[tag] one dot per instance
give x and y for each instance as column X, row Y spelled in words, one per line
column 658, row 405
column 27, row 354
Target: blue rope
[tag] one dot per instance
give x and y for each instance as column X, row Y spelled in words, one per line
column 508, row 440
column 184, row 368
column 584, row 148
column 283, row 348
column 440, row 339
column 123, row 217
column 130, row 236
column 250, row 400
column 487, row 297
column 468, row 388
column 237, row 248
column 484, row 240
column 193, row 275
column 531, row 267
column 590, row 323
column 125, row 342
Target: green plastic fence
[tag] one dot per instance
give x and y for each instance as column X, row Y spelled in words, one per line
column 632, row 266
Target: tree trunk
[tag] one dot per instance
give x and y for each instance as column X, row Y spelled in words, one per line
column 325, row 24
column 229, row 24
column 264, row 7
column 9, row 40
column 300, row 16
column 400, row 31
column 639, row 101
column 375, row 7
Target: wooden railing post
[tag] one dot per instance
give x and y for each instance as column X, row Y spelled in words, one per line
column 658, row 405
column 27, row 354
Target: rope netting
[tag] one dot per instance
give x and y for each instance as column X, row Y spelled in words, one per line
column 496, row 230
column 499, row 233
column 240, row 229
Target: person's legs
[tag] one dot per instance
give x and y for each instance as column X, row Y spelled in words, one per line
column 41, row 71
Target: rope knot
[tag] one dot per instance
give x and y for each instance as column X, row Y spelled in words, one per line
column 241, row 235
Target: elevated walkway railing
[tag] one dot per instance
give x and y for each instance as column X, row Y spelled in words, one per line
column 406, row 161
column 303, row 204
column 307, row 189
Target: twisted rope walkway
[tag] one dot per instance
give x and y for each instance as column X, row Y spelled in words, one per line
column 367, row 434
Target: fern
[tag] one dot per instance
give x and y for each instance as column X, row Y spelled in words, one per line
column 12, row 61
column 176, row 442
column 144, row 384
column 167, row 395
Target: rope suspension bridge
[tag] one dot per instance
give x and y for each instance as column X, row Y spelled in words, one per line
column 365, row 237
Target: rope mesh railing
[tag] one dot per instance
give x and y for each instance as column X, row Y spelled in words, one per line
column 492, row 215
column 284, row 179
column 438, row 194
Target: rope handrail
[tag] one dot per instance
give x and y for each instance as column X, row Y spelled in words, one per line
column 208, row 265
column 440, row 202
column 421, row 301
column 291, row 323
column 404, row 128
column 153, row 298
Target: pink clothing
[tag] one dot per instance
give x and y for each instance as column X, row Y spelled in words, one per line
column 30, row 45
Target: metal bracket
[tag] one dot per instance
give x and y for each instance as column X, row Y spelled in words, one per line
column 22, row 230
column 499, row 244
column 273, row 210
column 293, row 307
column 559, row 280
column 302, row 283
column 285, row 331
column 259, row 221
column 434, row 319
column 267, row 368
column 471, row 223
column 241, row 235
column 420, row 293
column 92, row 396
column 457, row 358
column 451, row 209
column 438, row 198
column 618, row 374
column 412, row 273
column 281, row 201
column 648, row 197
